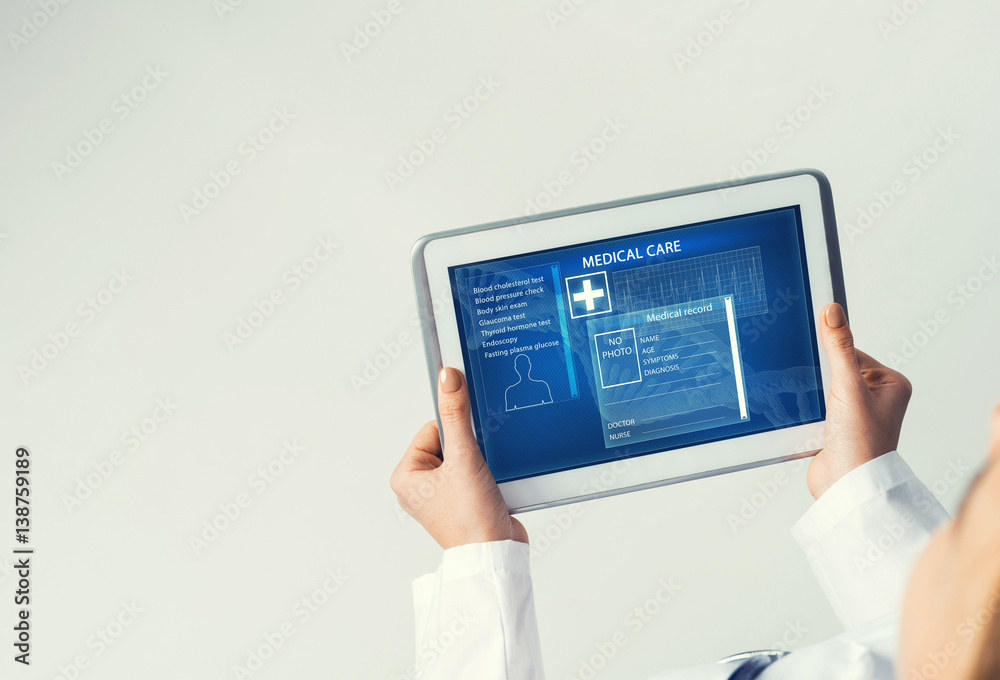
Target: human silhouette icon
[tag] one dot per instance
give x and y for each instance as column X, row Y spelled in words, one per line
column 526, row 391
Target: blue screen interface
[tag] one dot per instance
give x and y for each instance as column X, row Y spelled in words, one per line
column 652, row 342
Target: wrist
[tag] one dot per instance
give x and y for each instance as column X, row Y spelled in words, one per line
column 827, row 468
column 496, row 535
column 486, row 556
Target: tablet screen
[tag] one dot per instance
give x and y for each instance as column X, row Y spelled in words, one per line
column 652, row 342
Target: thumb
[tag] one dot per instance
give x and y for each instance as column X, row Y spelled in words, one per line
column 456, row 415
column 838, row 341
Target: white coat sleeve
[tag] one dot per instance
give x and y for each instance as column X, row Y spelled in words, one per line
column 475, row 615
column 864, row 534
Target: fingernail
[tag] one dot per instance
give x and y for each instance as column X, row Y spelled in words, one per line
column 450, row 382
column 835, row 317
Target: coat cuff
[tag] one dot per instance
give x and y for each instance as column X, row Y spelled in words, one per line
column 473, row 559
column 858, row 486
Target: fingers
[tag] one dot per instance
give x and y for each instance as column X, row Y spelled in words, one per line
column 427, row 441
column 423, row 453
column 838, row 341
column 456, row 414
column 866, row 362
column 876, row 373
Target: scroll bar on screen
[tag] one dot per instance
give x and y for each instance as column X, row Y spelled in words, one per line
column 737, row 366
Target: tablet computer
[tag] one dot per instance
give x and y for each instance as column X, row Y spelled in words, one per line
column 641, row 342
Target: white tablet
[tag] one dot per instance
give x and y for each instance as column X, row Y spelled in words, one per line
column 642, row 342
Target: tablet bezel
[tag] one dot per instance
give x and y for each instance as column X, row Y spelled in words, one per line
column 435, row 253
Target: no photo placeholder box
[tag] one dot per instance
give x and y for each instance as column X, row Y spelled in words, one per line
column 617, row 358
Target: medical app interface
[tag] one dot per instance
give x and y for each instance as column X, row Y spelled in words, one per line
column 652, row 342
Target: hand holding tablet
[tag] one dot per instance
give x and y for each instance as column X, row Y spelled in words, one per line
column 865, row 408
column 627, row 345
column 452, row 493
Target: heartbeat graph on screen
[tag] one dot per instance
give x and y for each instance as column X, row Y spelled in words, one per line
column 736, row 272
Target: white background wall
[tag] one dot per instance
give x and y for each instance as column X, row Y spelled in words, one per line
column 65, row 232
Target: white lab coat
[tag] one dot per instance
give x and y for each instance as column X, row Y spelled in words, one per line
column 476, row 614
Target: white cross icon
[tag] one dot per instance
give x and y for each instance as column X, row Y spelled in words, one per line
column 588, row 295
